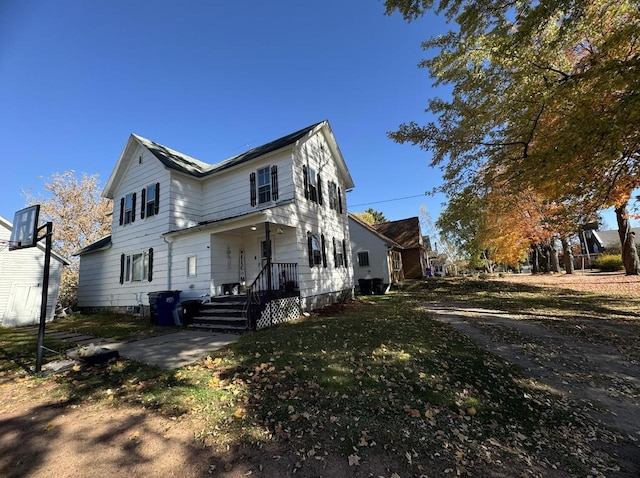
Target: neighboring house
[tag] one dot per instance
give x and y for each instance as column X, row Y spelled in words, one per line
column 596, row 242
column 21, row 274
column 406, row 232
column 271, row 219
column 438, row 265
column 375, row 256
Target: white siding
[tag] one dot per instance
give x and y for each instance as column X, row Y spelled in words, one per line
column 364, row 240
column 99, row 282
column 138, row 176
column 227, row 194
column 188, row 202
column 322, row 220
column 21, row 274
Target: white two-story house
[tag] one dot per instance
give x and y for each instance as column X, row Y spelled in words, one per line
column 269, row 222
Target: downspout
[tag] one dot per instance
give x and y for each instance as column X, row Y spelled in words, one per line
column 169, row 254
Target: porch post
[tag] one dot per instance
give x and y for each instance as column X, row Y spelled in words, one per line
column 267, row 240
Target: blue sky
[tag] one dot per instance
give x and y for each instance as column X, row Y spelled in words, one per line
column 211, row 79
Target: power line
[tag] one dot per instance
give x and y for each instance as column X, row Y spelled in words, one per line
column 388, row 200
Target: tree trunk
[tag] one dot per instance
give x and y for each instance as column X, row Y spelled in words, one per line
column 629, row 252
column 555, row 263
column 568, row 256
column 535, row 265
column 544, row 261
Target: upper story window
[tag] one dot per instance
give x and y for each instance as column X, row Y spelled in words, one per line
column 263, row 185
column 150, row 200
column 335, row 197
column 129, row 208
column 312, row 184
column 149, row 204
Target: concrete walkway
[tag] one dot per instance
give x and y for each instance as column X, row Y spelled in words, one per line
column 172, row 350
column 167, row 351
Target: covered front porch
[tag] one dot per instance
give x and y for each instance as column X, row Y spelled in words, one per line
column 254, row 259
column 246, row 278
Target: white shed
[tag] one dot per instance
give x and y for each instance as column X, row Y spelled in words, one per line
column 21, row 274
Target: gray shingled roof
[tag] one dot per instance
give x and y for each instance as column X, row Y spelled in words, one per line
column 611, row 240
column 186, row 164
column 100, row 244
column 175, row 160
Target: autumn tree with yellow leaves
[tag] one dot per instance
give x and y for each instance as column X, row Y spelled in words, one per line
column 80, row 216
column 545, row 98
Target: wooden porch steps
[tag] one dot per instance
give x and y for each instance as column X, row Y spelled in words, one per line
column 223, row 313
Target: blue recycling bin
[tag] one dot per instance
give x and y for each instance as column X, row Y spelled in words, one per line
column 163, row 304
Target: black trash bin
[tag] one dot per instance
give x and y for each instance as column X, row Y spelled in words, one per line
column 187, row 310
column 377, row 286
column 163, row 304
column 365, row 286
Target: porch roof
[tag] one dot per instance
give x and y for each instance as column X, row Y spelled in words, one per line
column 99, row 245
column 242, row 220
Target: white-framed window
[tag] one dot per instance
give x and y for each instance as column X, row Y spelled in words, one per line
column 316, row 249
column 129, row 208
column 151, row 203
column 338, row 252
column 264, row 185
column 192, row 270
column 136, row 267
column 313, row 185
column 363, row 258
column 333, row 195
column 396, row 259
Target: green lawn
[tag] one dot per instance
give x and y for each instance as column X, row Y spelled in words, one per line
column 377, row 377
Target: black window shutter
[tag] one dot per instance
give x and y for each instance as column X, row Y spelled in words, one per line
column 340, row 200
column 150, row 264
column 133, row 208
column 335, row 253
column 274, row 183
column 324, row 251
column 310, row 248
column 156, row 204
column 143, row 200
column 344, row 252
column 252, row 187
column 122, row 268
column 121, row 211
column 305, row 174
column 319, row 190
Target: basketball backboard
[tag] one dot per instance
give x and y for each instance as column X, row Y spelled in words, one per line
column 25, row 228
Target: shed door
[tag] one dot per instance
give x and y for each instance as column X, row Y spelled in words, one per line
column 24, row 305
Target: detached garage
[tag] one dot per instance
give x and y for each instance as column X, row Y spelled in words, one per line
column 21, row 274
